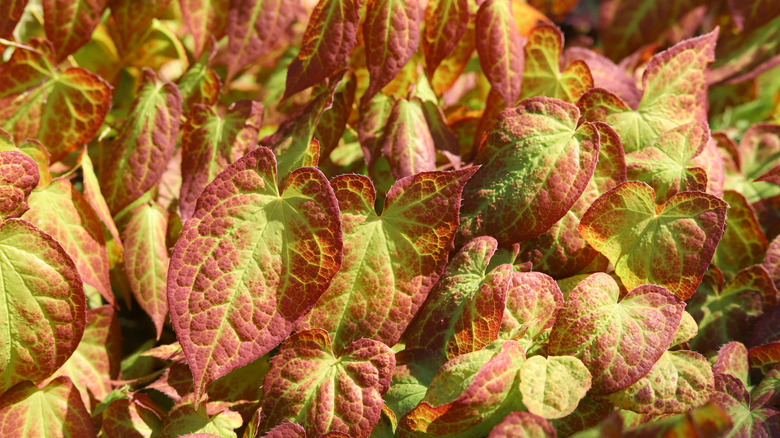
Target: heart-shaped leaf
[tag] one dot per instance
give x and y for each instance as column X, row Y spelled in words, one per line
column 617, row 341
column 307, row 384
column 749, row 419
column 670, row 246
column 18, row 177
column 605, row 73
column 553, row 386
column 535, row 162
column 445, row 23
column 250, row 264
column 532, row 301
column 69, row 23
column 500, row 48
column 733, row 359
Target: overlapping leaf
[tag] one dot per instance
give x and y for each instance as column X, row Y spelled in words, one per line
column 708, row 420
column 670, row 246
column 139, row 154
column 12, row 13
column 199, row 84
column 253, row 29
column 523, row 424
column 757, row 153
column 18, row 177
column 553, row 386
column 765, row 356
column 394, row 258
column 617, row 341
column 674, row 92
column 70, row 23
column 211, row 142
column 307, row 384
column 204, row 19
column 130, row 417
column 542, row 75
column 445, row 22
column 414, row 371
column 130, row 20
column 61, row 108
column 605, row 73
column 744, row 243
column 44, row 306
column 532, row 302
column 184, row 419
column 732, row 359
column 250, row 264
column 535, row 162
column 750, row 418
column 407, row 140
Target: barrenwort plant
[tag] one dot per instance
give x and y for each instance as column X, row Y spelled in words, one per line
column 380, row 218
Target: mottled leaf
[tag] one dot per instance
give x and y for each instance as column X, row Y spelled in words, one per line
column 330, row 35
column 95, row 198
column 408, row 143
column 674, row 92
column 130, row 418
column 707, row 420
column 500, row 48
column 589, row 413
column 394, row 258
column 210, row 142
column 286, row 430
column 250, row 264
column 309, row 385
column 535, row 162
column 768, row 389
column 451, row 67
column 469, row 396
column 445, row 23
column 374, row 116
column 199, row 84
column 744, row 243
column 44, row 310
column 542, row 75
column 70, row 23
column 523, row 425
column 55, row 411
column 750, row 420
column 688, row 329
column 12, row 11
column 670, row 246
column 18, row 177
column 765, row 356
column 532, row 301
column 184, row 419
column 61, row 108
column 553, row 386
column 138, row 156
column 757, row 153
column 732, row 359
column 204, row 19
column 130, row 19
column 605, row 73
column 414, row 371
column 618, row 341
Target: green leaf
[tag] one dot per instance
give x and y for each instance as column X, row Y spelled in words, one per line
column 744, row 243
column 535, row 162
column 394, row 258
column 542, row 75
column 553, row 386
column 749, row 419
column 500, row 48
column 184, row 419
column 617, row 341
column 688, row 329
column 307, row 384
column 44, row 306
column 532, row 301
column 250, row 264
column 408, row 144
column 55, row 411
column 199, row 84
column 678, row 382
column 137, row 157
column 757, row 153
column 62, row 108
column 414, row 371
column 18, row 177
column 131, row 416
column 523, row 425
column 670, row 246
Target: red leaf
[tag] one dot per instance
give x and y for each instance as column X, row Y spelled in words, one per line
column 500, row 49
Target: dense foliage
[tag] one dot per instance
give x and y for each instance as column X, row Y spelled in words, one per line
column 378, row 218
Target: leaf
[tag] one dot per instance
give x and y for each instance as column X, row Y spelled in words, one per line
column 728, row 314
column 95, row 363
column 69, row 23
column 130, row 418
column 671, row 247
column 688, row 329
column 199, row 84
column 414, row 371
column 666, row 163
column 589, row 413
column 184, row 419
column 65, row 214
column 500, row 48
column 744, row 243
column 211, row 142
column 392, row 33
column 674, row 91
column 44, row 306
column 553, row 386
column 307, row 384
column 250, row 263
column 18, row 177
column 445, row 22
column 757, row 153
column 55, row 411
column 130, row 19
column 12, row 13
column 749, row 419
column 532, row 302
column 751, row 51
column 765, row 356
column 605, row 73
column 768, row 389
column 408, row 143
column 523, row 425
column 393, row 258
column 203, row 19
column 732, row 359
column 707, row 420
column 468, row 401
column 333, row 122
column 463, row 312
column 617, row 341
column 329, row 38
column 678, row 382
column 146, row 260
column 62, row 108
column 542, row 75
column 139, row 154
column 95, row 197
column 286, row 430
column 535, row 162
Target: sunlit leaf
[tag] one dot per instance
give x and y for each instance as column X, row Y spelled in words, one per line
column 18, row 177
column 408, row 143
column 500, row 48
column 70, row 23
column 445, row 23
column 523, row 425
column 553, row 386
column 203, row 19
column 184, row 419
column 732, row 359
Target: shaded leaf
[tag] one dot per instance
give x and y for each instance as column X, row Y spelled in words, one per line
column 553, row 386
column 204, row 19
column 130, row 19
column 765, row 356
column 757, row 153
column 69, row 23
column 408, row 143
column 743, row 243
column 130, row 418
column 707, row 420
column 749, row 419
column 95, row 197
column 414, row 371
column 532, row 302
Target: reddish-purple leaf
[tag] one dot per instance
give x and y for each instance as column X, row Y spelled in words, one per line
column 618, row 341
column 18, row 177
column 254, row 28
column 286, row 430
column 10, row 14
column 394, row 258
column 371, row 130
column 211, row 142
column 333, row 121
column 536, row 162
column 199, row 84
column 743, row 243
column 61, row 108
column 532, row 302
column 250, row 264
column 766, row 357
column 329, row 38
column 408, row 144
column 445, row 23
column 392, row 33
column 95, row 197
column 772, row 261
column 44, row 304
column 606, row 74
column 70, row 23
column 670, row 246
column 750, row 419
column 523, row 425
column 130, row 19
column 732, row 359
column 500, row 48
column 711, row 160
column 309, row 385
column 138, row 156
column 55, row 411
column 130, row 418
column 705, row 421
column 204, row 19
